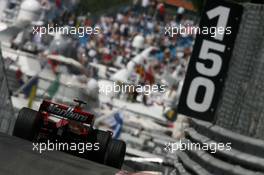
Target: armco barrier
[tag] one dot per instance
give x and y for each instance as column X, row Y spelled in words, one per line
column 239, row 142
column 191, row 166
column 233, row 156
column 233, row 162
column 6, row 110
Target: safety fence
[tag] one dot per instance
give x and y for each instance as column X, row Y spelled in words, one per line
column 6, row 110
column 241, row 108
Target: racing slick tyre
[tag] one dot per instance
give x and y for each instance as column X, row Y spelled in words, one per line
column 27, row 124
column 115, row 153
column 102, row 138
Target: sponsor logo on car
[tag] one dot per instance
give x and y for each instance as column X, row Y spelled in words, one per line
column 55, row 109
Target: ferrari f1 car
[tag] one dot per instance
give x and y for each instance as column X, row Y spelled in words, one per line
column 61, row 123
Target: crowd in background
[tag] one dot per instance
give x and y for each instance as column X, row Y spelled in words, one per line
column 113, row 46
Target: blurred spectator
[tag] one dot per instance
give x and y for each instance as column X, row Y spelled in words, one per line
column 161, row 11
column 145, row 4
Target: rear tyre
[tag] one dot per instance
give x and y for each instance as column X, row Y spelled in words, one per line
column 115, row 153
column 102, row 138
column 27, row 124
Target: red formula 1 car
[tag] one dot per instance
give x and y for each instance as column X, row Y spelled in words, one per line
column 64, row 124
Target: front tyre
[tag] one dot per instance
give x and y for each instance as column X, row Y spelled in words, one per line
column 27, row 124
column 115, row 153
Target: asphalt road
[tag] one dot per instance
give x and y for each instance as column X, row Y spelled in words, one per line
column 17, row 158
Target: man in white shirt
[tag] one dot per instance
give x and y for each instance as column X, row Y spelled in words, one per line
column 145, row 3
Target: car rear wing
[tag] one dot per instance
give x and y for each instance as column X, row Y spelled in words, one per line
column 67, row 112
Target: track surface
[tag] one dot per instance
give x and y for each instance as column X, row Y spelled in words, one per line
column 17, row 158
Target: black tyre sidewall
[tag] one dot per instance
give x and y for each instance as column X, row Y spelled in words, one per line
column 27, row 124
column 115, row 153
column 103, row 138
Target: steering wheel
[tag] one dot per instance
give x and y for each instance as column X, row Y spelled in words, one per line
column 80, row 102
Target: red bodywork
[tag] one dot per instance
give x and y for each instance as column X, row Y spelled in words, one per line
column 75, row 117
